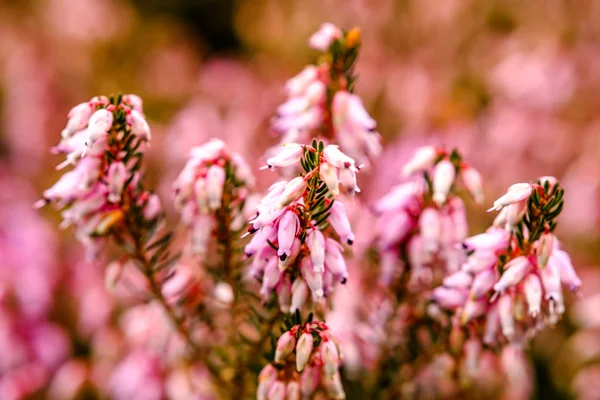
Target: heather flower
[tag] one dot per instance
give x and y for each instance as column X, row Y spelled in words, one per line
column 211, row 191
column 322, row 39
column 105, row 146
column 423, row 219
column 297, row 231
column 517, row 276
column 321, row 103
column 307, row 360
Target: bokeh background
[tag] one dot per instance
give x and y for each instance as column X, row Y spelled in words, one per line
column 514, row 85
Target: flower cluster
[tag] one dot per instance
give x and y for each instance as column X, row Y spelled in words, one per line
column 300, row 223
column 213, row 185
column 423, row 219
column 515, row 270
column 104, row 140
column 320, row 99
column 306, row 362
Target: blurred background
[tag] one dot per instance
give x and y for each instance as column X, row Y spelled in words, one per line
column 514, row 85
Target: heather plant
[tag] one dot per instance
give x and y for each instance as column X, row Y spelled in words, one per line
column 238, row 297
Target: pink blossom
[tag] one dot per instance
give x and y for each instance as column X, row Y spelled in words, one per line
column 423, row 159
column 338, row 219
column 288, row 228
column 285, row 346
column 322, row 39
column 515, row 194
column 304, row 349
column 514, row 271
column 472, row 181
column 444, row 174
column 289, row 154
column 316, row 244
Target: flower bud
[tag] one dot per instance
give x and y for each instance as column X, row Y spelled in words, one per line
column 348, row 181
column 567, row 273
column 117, row 175
column 492, row 325
column 330, row 357
column 270, row 277
column 313, row 278
column 286, row 233
column 482, row 283
column 472, row 181
column 514, row 271
column 215, row 180
column 333, row 387
column 152, row 208
column 473, row 309
column 458, row 280
column 288, row 154
column 139, row 125
column 267, row 376
column 335, row 157
column 100, row 123
column 449, row 298
column 338, row 219
column 443, row 178
column 532, row 287
column 292, row 191
column 284, row 293
column 423, row 159
column 299, row 294
column 322, row 39
column 515, row 193
column 309, row 381
column 328, row 174
column 304, row 350
column 505, row 312
column 334, row 261
column 316, row 244
column 431, row 229
column 292, row 391
column 285, row 346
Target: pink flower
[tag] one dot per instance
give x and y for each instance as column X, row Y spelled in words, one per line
column 293, row 190
column 431, row 229
column 423, row 159
column 329, row 175
column 338, row 219
column 532, row 287
column 313, row 278
column 472, row 181
column 266, row 378
column 139, row 125
column 288, row 228
column 117, row 174
column 567, row 273
column 99, row 125
column 215, row 180
column 289, row 154
column 514, row 271
column 444, row 174
column 448, row 297
column 322, row 39
column 298, row 84
column 304, row 349
column 515, row 194
column 316, row 244
column 334, row 260
column 483, row 282
column 79, row 117
column 285, row 347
